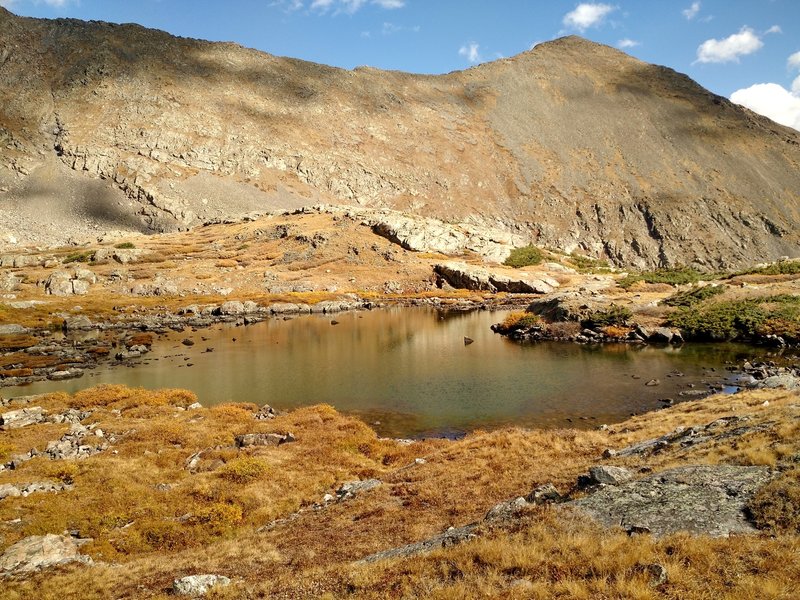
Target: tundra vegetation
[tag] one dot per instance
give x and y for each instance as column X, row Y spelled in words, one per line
column 173, row 494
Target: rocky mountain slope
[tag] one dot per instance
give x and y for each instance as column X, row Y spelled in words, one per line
column 571, row 145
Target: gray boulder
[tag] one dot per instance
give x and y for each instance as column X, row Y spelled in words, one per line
column 609, row 475
column 247, row 440
column 120, row 255
column 451, row 537
column 78, row 322
column 198, row 585
column 352, row 488
column 232, row 308
column 464, row 276
column 22, row 417
column 12, row 329
column 40, row 552
column 544, row 494
column 506, row 510
column 785, row 380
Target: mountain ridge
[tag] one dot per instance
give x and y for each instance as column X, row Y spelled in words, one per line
column 572, row 144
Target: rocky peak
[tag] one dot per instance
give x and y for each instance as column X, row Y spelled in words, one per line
column 572, row 145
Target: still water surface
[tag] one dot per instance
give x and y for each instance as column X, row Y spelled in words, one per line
column 408, row 371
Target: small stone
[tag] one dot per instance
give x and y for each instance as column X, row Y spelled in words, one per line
column 77, row 322
column 656, row 573
column 507, row 509
column 247, row 440
column 353, row 488
column 544, row 494
column 609, row 475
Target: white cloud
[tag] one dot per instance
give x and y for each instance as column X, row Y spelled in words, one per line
column 794, row 61
column 471, row 51
column 347, row 6
column 628, row 43
column 390, row 4
column 392, row 28
column 53, row 3
column 691, row 12
column 731, row 48
column 587, row 15
column 773, row 101
column 774, row 29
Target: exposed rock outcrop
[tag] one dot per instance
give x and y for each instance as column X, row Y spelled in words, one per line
column 709, row 500
column 469, row 277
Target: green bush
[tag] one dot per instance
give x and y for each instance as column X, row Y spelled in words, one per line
column 731, row 320
column 80, row 257
column 584, row 264
column 524, row 257
column 676, row 276
column 694, row 296
column 125, row 246
column 784, row 267
column 613, row 315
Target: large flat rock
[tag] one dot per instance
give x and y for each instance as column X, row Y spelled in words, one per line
column 707, row 500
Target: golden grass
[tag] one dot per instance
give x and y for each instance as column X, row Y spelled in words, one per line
column 145, row 510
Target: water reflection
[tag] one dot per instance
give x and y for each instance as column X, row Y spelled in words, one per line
column 410, row 370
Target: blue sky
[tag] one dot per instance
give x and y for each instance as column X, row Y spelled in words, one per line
column 746, row 48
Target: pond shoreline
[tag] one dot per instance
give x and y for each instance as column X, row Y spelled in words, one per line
column 176, row 350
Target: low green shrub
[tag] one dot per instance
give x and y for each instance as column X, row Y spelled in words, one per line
column 584, row 264
column 676, row 276
column 612, row 316
column 721, row 321
column 784, row 267
column 694, row 296
column 125, row 246
column 81, row 257
column 524, row 257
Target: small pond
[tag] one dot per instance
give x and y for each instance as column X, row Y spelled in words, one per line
column 408, row 371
